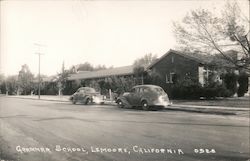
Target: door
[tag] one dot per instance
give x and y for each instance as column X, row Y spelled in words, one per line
column 131, row 96
column 134, row 97
column 137, row 96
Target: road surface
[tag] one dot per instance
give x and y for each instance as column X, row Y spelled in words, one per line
column 34, row 130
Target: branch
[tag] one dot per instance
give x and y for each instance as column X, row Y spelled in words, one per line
column 241, row 43
column 247, row 44
column 216, row 46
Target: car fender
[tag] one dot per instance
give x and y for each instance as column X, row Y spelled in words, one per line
column 145, row 99
column 87, row 97
column 124, row 101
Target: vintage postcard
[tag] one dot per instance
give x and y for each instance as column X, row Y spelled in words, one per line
column 124, row 80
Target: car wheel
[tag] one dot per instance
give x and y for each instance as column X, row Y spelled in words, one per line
column 87, row 101
column 145, row 105
column 120, row 104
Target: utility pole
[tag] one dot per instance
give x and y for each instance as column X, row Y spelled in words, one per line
column 39, row 66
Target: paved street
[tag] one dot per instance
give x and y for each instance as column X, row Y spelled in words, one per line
column 33, row 130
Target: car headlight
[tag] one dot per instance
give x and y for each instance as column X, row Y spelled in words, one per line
column 96, row 99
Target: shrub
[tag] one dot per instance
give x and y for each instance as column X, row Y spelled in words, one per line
column 190, row 89
column 243, row 84
column 186, row 89
column 230, row 80
column 214, row 90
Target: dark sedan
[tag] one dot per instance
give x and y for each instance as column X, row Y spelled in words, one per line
column 87, row 95
column 145, row 96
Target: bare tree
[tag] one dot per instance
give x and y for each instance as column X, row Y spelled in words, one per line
column 140, row 65
column 201, row 30
column 62, row 79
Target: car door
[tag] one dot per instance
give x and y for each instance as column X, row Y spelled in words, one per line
column 134, row 97
column 81, row 95
column 137, row 96
column 130, row 97
column 76, row 95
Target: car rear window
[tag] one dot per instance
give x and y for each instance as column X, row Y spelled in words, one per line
column 159, row 90
column 90, row 90
column 86, row 90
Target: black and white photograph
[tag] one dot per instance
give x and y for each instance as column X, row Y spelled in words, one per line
column 124, row 80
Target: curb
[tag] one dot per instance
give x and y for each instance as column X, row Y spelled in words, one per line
column 176, row 107
column 202, row 110
column 210, row 107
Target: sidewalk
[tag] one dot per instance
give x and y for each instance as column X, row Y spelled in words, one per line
column 43, row 97
column 175, row 106
column 211, row 109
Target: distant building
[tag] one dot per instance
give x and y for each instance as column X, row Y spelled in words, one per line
column 102, row 74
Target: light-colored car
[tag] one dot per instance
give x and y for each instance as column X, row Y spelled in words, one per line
column 87, row 95
column 145, row 96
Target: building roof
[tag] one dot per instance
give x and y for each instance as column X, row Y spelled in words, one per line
column 119, row 71
column 216, row 59
column 52, row 78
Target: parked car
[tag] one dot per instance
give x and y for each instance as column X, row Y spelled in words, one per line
column 87, row 95
column 145, row 96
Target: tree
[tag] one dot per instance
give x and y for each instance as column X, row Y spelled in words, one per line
column 146, row 60
column 2, row 84
column 100, row 67
column 12, row 85
column 140, row 65
column 62, row 79
column 25, row 80
column 85, row 67
column 88, row 67
column 202, row 31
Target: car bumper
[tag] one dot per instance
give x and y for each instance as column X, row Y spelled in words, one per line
column 98, row 100
column 161, row 103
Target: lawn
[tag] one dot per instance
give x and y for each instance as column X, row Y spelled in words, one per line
column 243, row 102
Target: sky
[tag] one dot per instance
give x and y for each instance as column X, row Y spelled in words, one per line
column 110, row 33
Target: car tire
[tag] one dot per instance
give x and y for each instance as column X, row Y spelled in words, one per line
column 145, row 105
column 87, row 101
column 120, row 103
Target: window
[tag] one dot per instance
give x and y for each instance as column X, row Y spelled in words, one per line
column 137, row 90
column 172, row 77
column 167, row 81
column 133, row 90
column 81, row 91
column 172, row 59
column 146, row 90
column 158, row 90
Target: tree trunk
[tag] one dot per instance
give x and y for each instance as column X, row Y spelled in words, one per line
column 248, row 92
